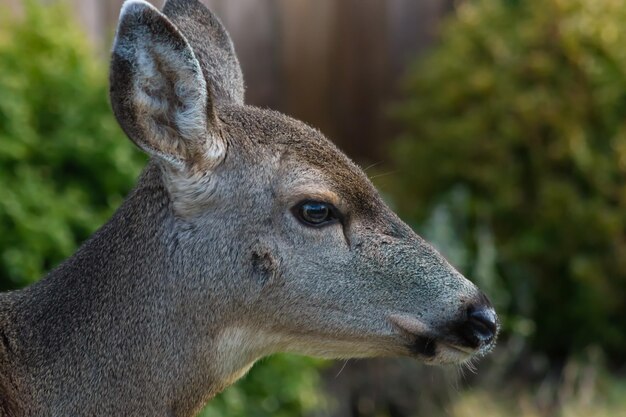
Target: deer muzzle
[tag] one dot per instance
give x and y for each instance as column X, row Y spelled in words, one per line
column 473, row 332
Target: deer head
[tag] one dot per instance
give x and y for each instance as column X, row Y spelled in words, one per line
column 281, row 237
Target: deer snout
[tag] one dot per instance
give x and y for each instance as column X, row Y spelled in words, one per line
column 479, row 327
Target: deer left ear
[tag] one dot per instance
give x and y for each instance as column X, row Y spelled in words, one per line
column 158, row 92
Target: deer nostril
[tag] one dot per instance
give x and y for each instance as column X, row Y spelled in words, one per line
column 481, row 325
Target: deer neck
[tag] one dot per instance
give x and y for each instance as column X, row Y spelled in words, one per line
column 110, row 331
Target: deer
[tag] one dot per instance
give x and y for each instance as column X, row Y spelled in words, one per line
column 248, row 233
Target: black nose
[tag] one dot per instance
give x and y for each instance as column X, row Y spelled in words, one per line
column 481, row 325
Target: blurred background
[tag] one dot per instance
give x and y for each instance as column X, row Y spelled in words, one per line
column 496, row 128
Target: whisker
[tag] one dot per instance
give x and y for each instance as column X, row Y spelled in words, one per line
column 372, row 165
column 383, row 174
column 470, row 365
column 342, row 368
column 461, row 377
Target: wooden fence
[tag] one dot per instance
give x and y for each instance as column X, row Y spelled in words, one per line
column 335, row 64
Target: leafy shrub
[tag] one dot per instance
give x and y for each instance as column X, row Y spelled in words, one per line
column 64, row 163
column 522, row 110
column 65, row 166
column 280, row 386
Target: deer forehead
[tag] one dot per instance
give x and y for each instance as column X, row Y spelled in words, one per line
column 302, row 160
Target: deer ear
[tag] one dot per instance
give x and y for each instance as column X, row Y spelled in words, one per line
column 213, row 48
column 158, row 92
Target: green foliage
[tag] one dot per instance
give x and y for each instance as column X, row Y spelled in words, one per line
column 64, row 162
column 522, row 110
column 280, row 386
column 65, row 166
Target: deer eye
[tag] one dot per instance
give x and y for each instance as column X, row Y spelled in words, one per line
column 316, row 213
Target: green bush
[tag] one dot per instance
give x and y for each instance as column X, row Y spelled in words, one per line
column 516, row 125
column 280, row 386
column 64, row 163
column 65, row 166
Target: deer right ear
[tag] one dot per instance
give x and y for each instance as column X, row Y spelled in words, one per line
column 158, row 92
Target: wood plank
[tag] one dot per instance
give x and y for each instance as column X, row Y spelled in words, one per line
column 360, row 72
column 253, row 25
column 305, row 44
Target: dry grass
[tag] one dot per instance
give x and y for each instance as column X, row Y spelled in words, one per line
column 482, row 404
column 583, row 389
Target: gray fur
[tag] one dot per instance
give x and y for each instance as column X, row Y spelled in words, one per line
column 204, row 268
column 212, row 46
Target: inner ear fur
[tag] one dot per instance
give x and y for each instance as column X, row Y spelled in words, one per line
column 158, row 91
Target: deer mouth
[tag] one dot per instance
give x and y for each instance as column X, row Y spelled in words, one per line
column 437, row 350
